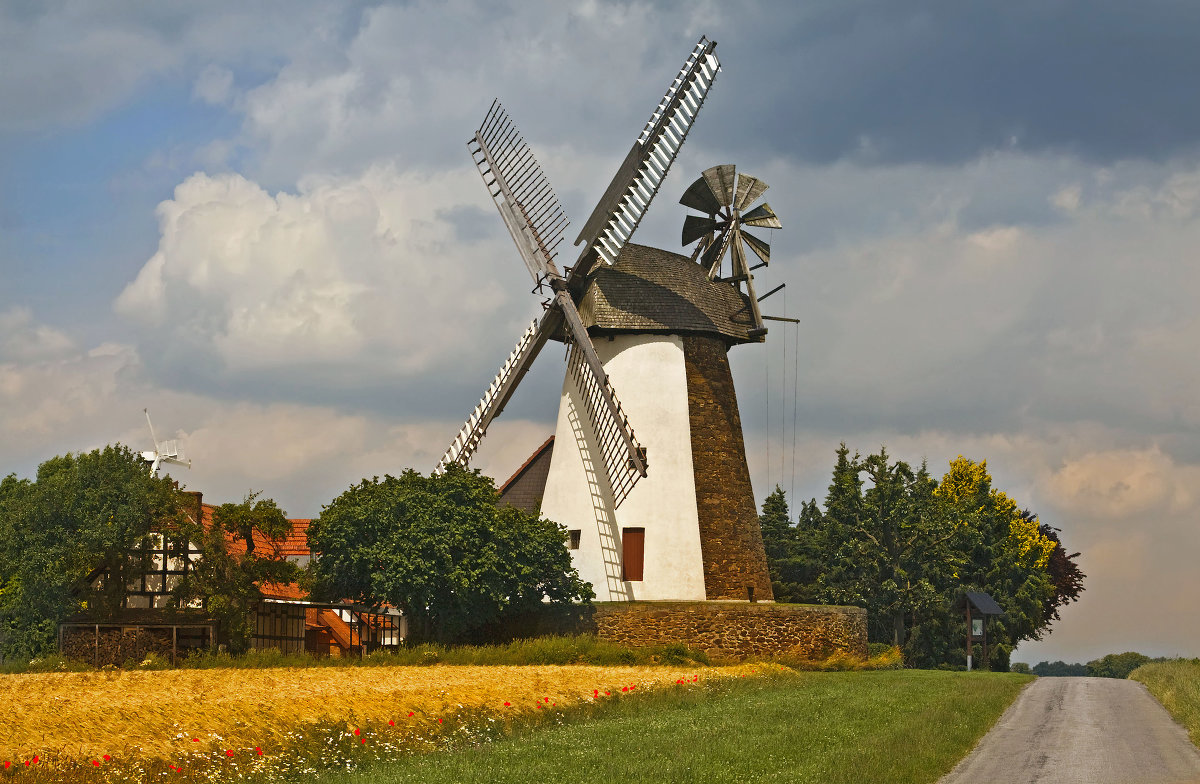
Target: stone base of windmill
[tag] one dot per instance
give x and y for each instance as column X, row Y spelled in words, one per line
column 736, row 630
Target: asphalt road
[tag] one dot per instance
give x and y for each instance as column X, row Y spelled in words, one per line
column 1082, row 731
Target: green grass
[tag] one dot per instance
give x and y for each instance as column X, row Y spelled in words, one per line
column 862, row 727
column 1176, row 684
column 572, row 649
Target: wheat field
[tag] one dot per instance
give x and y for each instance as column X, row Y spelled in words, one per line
column 178, row 712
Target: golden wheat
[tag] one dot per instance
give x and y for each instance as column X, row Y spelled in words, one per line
column 78, row 715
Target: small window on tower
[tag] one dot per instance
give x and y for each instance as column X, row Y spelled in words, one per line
column 573, row 537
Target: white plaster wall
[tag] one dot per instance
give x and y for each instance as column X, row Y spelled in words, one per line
column 648, row 374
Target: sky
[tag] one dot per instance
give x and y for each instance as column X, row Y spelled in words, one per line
column 264, row 225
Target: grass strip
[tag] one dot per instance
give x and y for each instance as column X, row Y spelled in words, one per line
column 1176, row 684
column 554, row 649
column 895, row 726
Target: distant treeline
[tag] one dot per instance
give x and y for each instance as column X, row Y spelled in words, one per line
column 1114, row 665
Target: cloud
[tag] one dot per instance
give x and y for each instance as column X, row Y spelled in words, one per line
column 69, row 63
column 1087, row 317
column 1120, row 485
column 358, row 277
column 301, row 455
column 213, row 85
column 23, row 340
column 61, row 402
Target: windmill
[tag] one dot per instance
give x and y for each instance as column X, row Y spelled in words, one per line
column 657, row 326
column 164, row 452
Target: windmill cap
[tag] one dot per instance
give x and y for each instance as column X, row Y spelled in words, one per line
column 650, row 290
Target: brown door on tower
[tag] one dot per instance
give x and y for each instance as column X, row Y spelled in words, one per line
column 633, row 552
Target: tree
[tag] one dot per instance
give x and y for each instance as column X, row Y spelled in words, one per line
column 443, row 551
column 83, row 515
column 789, row 555
column 895, row 552
column 1007, row 555
column 233, row 568
column 1059, row 669
column 1064, row 573
column 1116, row 665
column 905, row 547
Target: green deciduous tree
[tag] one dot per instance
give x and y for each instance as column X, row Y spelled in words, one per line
column 442, row 550
column 239, row 555
column 82, row 514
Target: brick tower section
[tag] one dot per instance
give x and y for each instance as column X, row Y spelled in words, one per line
column 730, row 537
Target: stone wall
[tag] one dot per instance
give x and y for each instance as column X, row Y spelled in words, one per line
column 730, row 535
column 736, row 629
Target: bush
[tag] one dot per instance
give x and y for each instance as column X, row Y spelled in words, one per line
column 1116, row 665
column 49, row 663
column 154, row 662
column 1020, row 667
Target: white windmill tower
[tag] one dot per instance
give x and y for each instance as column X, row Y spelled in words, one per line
column 687, row 529
column 164, row 451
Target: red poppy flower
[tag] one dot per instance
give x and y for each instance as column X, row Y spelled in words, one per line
column 439, row 721
column 356, row 732
column 107, row 758
column 35, row 759
column 624, row 688
column 547, row 699
column 195, row 740
column 6, row 764
column 258, row 751
column 362, row 740
column 228, row 752
column 96, row 763
column 410, row 713
column 391, row 722
column 27, row 763
column 508, row 704
column 607, row 694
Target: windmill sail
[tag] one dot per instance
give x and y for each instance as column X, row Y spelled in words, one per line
column 520, row 190
column 644, row 168
column 623, row 457
column 499, row 391
column 614, row 437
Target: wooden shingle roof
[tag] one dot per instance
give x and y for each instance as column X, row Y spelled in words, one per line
column 656, row 291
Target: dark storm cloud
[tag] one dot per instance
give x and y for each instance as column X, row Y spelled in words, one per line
column 945, row 81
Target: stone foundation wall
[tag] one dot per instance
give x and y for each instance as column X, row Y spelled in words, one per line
column 736, row 629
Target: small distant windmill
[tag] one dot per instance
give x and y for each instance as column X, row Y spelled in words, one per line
column 164, row 451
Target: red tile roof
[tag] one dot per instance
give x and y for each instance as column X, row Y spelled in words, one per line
column 294, row 544
column 286, row 591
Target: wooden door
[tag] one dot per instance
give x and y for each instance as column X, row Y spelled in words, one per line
column 633, row 552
